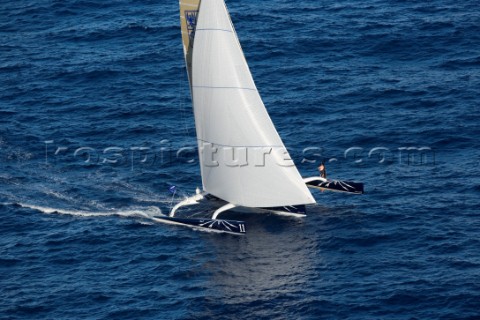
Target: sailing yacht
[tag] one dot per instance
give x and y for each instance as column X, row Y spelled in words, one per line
column 243, row 160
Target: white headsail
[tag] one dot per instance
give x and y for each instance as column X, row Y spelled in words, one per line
column 242, row 158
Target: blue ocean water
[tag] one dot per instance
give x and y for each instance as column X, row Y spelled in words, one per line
column 96, row 124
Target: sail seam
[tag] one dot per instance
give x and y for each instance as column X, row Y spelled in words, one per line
column 212, row 87
column 236, row 146
column 213, row 29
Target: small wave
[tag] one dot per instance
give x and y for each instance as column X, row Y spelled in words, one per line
column 15, row 66
column 6, row 113
column 454, row 64
column 8, row 262
column 60, row 195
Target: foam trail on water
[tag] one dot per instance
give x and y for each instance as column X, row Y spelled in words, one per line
column 147, row 212
column 59, row 195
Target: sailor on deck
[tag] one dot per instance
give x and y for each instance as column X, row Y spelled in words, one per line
column 323, row 172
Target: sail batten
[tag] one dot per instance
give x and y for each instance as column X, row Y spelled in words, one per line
column 213, row 29
column 240, row 146
column 233, row 88
column 242, row 158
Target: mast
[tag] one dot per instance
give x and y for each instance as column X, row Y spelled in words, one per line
column 188, row 22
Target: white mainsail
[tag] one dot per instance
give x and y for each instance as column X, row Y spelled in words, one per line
column 242, row 158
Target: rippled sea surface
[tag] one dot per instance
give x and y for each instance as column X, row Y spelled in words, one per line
column 96, row 124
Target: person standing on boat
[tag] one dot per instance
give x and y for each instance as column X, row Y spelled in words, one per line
column 323, row 171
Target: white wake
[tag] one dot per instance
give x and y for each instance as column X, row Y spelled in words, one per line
column 142, row 212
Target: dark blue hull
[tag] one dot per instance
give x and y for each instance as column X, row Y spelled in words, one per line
column 230, row 226
column 337, row 185
column 288, row 209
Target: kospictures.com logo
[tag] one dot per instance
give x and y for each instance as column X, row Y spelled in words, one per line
column 166, row 153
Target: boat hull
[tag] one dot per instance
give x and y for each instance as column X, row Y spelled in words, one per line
column 336, row 186
column 217, row 225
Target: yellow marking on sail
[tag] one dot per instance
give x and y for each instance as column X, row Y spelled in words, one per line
column 188, row 31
